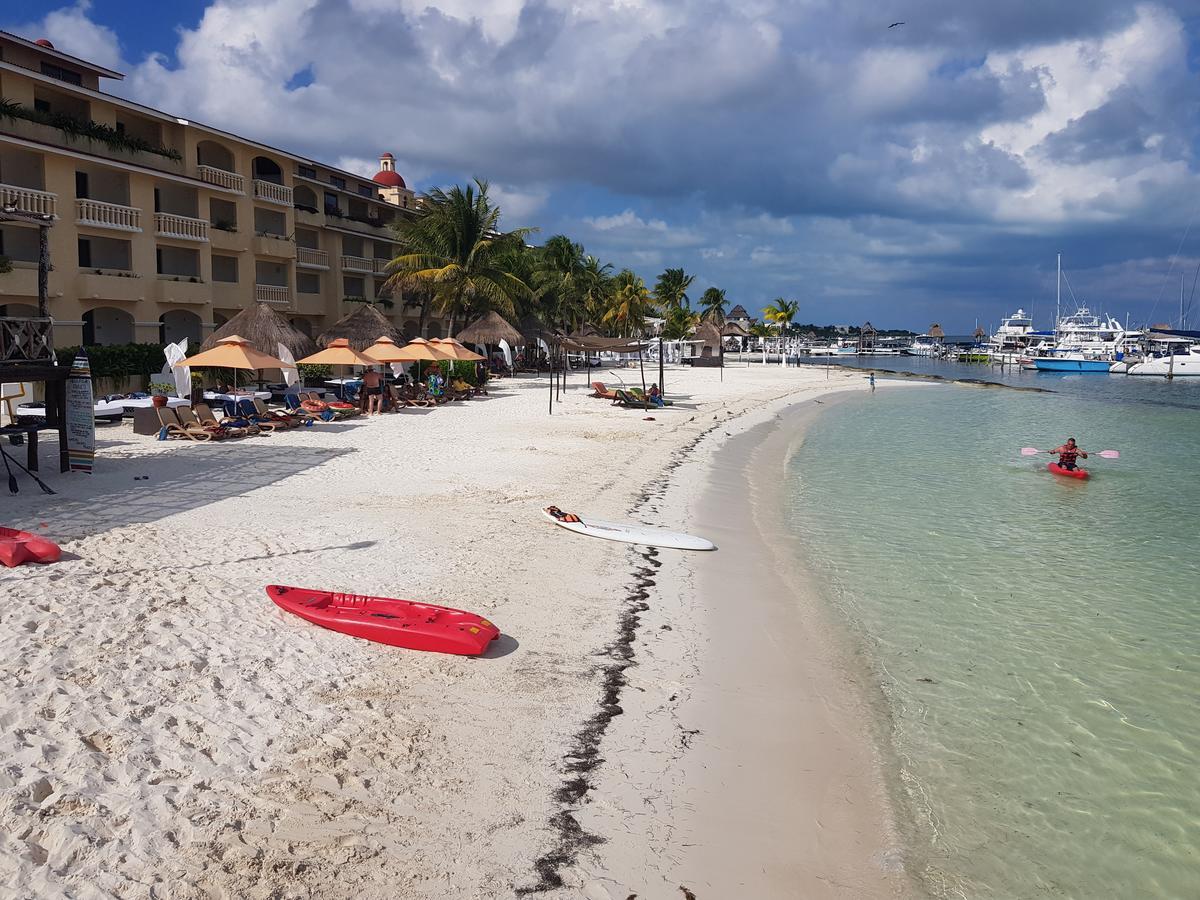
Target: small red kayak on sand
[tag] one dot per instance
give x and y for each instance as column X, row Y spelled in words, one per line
column 18, row 547
column 1067, row 473
column 401, row 623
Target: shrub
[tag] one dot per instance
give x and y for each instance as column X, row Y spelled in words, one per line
column 118, row 360
column 75, row 128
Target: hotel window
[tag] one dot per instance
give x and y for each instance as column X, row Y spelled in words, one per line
column 353, row 287
column 365, row 191
column 337, row 182
column 53, row 71
column 225, row 268
column 331, row 204
column 306, row 172
column 308, row 283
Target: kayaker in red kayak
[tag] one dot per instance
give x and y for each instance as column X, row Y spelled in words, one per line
column 1068, row 453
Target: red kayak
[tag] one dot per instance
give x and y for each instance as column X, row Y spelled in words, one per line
column 18, row 547
column 1067, row 473
column 401, row 623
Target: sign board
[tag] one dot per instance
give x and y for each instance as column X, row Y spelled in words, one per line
column 81, row 416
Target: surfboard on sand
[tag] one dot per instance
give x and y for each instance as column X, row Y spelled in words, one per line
column 633, row 534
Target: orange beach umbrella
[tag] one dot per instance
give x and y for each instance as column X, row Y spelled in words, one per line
column 457, row 350
column 338, row 353
column 385, row 350
column 233, row 352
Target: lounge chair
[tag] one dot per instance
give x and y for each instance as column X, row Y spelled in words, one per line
column 246, row 413
column 412, row 395
column 603, row 392
column 235, row 425
column 628, row 400
column 188, row 419
column 286, row 419
column 637, row 392
column 340, row 408
column 172, row 428
column 296, row 407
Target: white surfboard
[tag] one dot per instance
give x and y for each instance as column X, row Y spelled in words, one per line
column 634, row 534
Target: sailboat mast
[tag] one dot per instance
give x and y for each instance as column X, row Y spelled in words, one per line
column 1058, row 297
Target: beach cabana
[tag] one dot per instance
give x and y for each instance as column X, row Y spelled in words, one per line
column 493, row 330
column 360, row 329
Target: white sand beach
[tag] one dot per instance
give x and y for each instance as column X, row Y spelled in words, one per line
column 168, row 732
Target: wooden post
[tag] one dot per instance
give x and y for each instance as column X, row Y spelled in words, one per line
column 44, row 271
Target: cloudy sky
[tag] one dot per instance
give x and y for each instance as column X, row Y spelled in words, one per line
column 796, row 148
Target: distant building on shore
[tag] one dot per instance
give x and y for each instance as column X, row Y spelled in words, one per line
column 167, row 228
column 739, row 316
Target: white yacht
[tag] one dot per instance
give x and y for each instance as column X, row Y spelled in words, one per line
column 1169, row 357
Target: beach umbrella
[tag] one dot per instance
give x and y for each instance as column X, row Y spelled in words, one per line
column 385, row 350
column 456, row 350
column 233, row 352
column 338, row 353
column 361, row 327
column 264, row 329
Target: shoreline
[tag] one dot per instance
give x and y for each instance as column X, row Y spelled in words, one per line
column 693, row 797
column 169, row 725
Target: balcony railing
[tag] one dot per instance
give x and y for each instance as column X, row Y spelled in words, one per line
column 306, row 256
column 270, row 293
column 27, row 200
column 229, row 180
column 181, row 227
column 381, row 266
column 273, row 193
column 109, row 215
column 358, row 264
column 26, row 341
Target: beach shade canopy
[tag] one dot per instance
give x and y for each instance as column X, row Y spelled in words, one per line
column 233, row 352
column 456, row 351
column 491, row 329
column 338, row 353
column 361, row 329
column 734, row 329
column 385, row 350
column 420, row 350
column 263, row 329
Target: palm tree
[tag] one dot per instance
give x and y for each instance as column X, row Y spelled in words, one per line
column 558, row 275
column 712, row 302
column 679, row 323
column 454, row 246
column 595, row 287
column 629, row 304
column 781, row 312
column 671, row 289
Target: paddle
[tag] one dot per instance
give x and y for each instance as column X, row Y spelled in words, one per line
column 12, row 479
column 1104, row 454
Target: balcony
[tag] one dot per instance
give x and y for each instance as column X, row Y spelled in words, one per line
column 110, row 284
column 273, row 294
column 27, row 200
column 180, row 227
column 179, row 289
column 272, row 193
column 222, row 239
column 274, row 245
column 358, row 264
column 314, row 259
column 22, row 281
column 231, row 181
column 381, row 266
column 98, row 214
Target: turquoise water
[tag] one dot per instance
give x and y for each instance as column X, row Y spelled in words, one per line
column 1036, row 638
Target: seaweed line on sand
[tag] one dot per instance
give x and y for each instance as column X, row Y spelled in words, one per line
column 583, row 757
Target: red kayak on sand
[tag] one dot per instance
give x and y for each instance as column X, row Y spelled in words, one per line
column 1067, row 473
column 18, row 547
column 401, row 623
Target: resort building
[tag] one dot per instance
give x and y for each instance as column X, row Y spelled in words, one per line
column 166, row 228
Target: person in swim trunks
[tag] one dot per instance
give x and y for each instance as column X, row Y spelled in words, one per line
column 373, row 388
column 562, row 516
column 1068, row 453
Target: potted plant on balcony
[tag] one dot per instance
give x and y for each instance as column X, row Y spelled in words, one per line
column 159, row 391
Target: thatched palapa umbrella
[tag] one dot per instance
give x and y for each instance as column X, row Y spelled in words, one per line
column 491, row 329
column 263, row 329
column 361, row 328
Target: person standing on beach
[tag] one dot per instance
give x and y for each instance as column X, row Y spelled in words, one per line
column 1068, row 453
column 373, row 388
column 871, row 380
